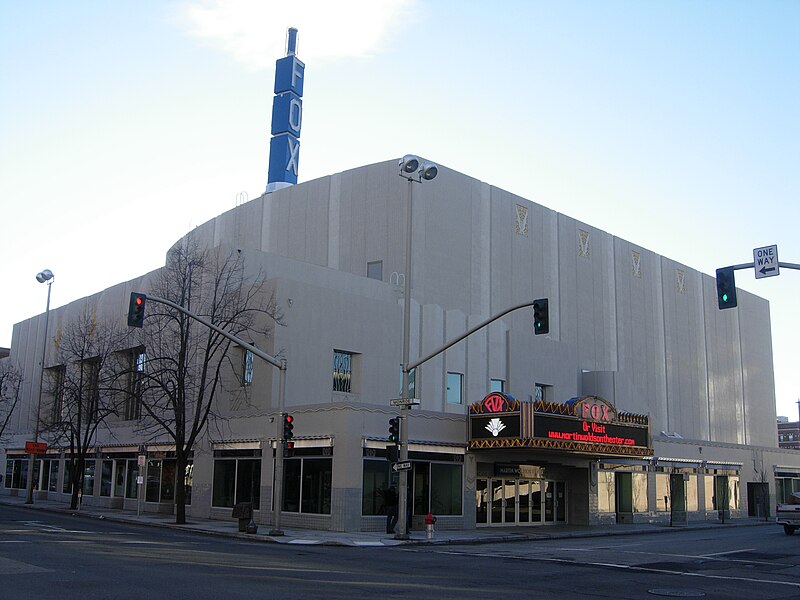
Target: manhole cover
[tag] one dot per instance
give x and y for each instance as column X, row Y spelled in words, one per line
column 677, row 593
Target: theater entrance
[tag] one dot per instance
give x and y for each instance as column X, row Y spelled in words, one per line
column 507, row 502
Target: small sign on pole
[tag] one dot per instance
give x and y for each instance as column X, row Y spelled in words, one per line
column 404, row 401
column 402, row 466
column 765, row 261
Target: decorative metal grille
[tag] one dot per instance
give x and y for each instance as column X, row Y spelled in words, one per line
column 521, row 224
column 680, row 281
column 247, row 368
column 583, row 243
column 342, row 371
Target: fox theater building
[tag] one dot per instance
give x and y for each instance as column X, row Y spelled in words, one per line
column 641, row 401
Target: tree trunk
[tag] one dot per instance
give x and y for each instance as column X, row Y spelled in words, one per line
column 76, row 478
column 180, row 490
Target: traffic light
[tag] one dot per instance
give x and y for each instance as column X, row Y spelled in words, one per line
column 541, row 316
column 288, row 426
column 726, row 288
column 394, row 430
column 136, row 310
column 392, row 453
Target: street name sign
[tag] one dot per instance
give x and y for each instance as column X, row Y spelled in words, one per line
column 765, row 262
column 404, row 401
column 402, row 466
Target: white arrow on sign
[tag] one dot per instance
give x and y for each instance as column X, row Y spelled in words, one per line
column 765, row 262
column 402, row 466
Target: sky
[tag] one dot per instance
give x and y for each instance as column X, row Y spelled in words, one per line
column 672, row 124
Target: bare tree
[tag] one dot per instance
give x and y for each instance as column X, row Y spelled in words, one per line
column 82, row 389
column 185, row 359
column 10, row 384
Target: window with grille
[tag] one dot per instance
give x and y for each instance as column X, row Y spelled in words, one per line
column 57, row 375
column 133, row 398
column 247, row 368
column 342, row 371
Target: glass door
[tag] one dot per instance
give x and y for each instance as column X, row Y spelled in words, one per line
column 497, row 501
column 510, row 493
column 524, row 502
column 555, row 502
column 536, row 501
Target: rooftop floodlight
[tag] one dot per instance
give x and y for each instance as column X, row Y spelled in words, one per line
column 428, row 171
column 409, row 164
column 45, row 275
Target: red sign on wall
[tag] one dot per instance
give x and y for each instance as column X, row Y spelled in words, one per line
column 35, row 447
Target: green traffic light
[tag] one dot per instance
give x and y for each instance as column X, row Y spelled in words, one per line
column 724, row 297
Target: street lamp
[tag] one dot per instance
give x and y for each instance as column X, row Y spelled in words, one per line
column 45, row 276
column 414, row 170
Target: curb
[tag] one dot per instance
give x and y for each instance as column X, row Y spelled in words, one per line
column 387, row 542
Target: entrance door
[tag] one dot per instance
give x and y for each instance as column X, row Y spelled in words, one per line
column 520, row 502
column 524, row 502
column 555, row 502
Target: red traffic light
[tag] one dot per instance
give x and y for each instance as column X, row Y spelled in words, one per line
column 289, row 418
column 136, row 310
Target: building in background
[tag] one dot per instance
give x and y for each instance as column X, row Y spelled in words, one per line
column 643, row 402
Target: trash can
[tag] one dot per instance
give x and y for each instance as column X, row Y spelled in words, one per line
column 244, row 512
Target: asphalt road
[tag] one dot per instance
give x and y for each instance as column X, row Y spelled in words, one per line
column 48, row 555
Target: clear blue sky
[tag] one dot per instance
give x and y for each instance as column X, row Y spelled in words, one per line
column 672, row 124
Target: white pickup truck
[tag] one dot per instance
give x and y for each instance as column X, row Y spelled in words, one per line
column 788, row 514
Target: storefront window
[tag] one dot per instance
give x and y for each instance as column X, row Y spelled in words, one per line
column 119, row 478
column 153, row 484
column 307, row 483
column 16, row 473
column 52, row 483
column 662, row 492
column 733, row 492
column 691, row 494
column 708, row 485
column 237, row 478
column 375, row 482
column 88, row 478
column 317, row 474
column 606, row 492
column 162, row 478
column 446, row 486
column 131, row 479
column 639, row 485
column 106, row 470
column 66, row 484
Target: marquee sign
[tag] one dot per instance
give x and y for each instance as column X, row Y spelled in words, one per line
column 497, row 416
column 588, row 424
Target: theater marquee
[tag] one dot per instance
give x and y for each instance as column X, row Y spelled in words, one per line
column 589, row 425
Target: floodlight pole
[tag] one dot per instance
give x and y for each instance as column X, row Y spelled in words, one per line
column 45, row 276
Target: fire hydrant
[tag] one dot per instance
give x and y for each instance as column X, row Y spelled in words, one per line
column 429, row 521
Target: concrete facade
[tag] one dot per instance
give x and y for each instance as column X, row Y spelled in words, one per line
column 626, row 324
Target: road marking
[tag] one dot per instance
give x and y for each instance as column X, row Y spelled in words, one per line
column 728, row 552
column 624, row 567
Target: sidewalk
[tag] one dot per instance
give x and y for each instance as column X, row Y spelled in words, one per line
column 230, row 528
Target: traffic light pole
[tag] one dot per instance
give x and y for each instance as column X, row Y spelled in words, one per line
column 402, row 508
column 782, row 265
column 278, row 363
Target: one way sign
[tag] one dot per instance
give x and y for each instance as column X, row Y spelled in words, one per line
column 765, row 261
